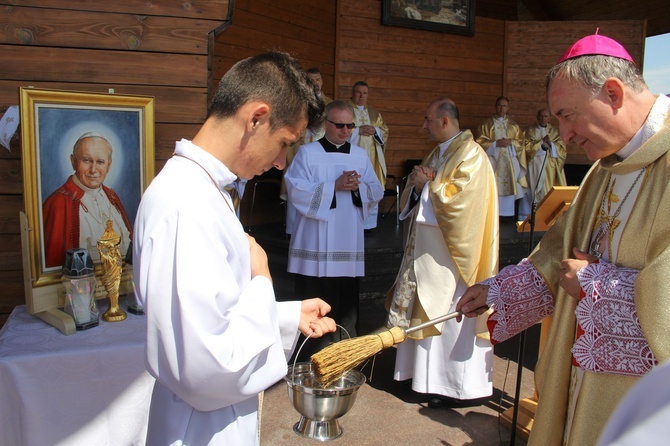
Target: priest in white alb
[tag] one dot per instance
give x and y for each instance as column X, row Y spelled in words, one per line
column 333, row 186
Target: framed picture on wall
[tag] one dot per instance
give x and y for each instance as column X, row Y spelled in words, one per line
column 87, row 159
column 447, row 16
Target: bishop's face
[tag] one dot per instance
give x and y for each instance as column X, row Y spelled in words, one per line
column 586, row 120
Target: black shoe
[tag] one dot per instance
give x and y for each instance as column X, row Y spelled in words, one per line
column 436, row 402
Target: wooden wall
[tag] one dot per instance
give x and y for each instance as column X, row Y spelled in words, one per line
column 157, row 48
column 408, row 68
column 532, row 48
column 175, row 50
column 303, row 28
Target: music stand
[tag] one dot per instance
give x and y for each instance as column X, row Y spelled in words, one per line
column 543, row 216
column 552, row 206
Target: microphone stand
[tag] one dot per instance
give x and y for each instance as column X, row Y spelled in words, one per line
column 522, row 335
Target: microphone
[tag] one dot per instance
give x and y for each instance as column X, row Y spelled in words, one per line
column 545, row 146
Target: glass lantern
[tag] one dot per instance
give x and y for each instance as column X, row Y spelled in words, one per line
column 79, row 282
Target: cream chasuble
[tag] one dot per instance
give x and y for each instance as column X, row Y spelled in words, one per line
column 452, row 243
column 552, row 174
column 509, row 167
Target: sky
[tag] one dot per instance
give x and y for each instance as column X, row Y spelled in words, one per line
column 656, row 70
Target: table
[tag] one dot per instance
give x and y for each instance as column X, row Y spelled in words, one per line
column 89, row 388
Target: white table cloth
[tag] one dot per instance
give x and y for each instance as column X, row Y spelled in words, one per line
column 89, row 388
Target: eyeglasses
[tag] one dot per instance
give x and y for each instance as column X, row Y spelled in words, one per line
column 340, row 125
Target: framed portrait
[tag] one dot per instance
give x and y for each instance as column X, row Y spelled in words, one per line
column 87, row 159
column 447, row 16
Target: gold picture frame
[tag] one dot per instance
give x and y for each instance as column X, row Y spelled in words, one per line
column 51, row 123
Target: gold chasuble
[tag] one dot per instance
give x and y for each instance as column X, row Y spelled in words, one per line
column 375, row 148
column 506, row 176
column 645, row 246
column 464, row 198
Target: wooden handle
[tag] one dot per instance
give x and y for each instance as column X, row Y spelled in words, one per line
column 431, row 322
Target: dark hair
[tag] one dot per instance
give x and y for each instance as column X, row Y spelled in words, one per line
column 502, row 97
column 275, row 78
column 360, row 84
column 447, row 107
column 313, row 70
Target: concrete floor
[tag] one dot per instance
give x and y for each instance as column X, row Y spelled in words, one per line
column 388, row 412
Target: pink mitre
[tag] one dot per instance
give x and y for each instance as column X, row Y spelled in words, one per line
column 596, row 45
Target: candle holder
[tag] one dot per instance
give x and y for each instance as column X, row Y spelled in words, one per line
column 110, row 258
column 79, row 282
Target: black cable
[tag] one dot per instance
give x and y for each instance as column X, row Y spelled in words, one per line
column 522, row 335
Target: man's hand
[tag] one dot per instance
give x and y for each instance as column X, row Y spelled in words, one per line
column 259, row 259
column 349, row 180
column 503, row 142
column 473, row 301
column 569, row 269
column 420, row 176
column 313, row 320
column 366, row 130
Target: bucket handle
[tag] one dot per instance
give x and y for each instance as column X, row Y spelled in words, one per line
column 303, row 344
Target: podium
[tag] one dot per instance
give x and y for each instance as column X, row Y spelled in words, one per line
column 551, row 207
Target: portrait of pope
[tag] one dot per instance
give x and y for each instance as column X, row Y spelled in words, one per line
column 91, row 176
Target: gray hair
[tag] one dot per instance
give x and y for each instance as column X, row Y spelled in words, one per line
column 592, row 71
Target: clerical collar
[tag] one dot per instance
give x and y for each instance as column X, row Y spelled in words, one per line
column 445, row 145
column 330, row 147
column 499, row 118
column 361, row 107
column 81, row 186
column 653, row 123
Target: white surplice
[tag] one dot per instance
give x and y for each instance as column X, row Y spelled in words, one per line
column 329, row 242
column 215, row 336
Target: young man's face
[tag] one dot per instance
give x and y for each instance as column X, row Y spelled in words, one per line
column 91, row 161
column 267, row 149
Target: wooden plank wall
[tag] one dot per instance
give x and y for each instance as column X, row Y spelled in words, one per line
column 157, row 48
column 408, row 68
column 303, row 28
column 532, row 48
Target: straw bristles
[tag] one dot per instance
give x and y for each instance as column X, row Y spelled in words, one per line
column 336, row 359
